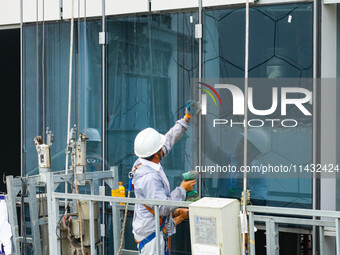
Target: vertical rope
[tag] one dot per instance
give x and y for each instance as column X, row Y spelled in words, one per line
column 37, row 61
column 124, row 223
column 43, row 70
column 69, row 100
column 70, row 86
column 78, row 65
column 68, row 130
column 85, row 126
column 200, row 120
column 245, row 142
column 103, row 118
column 85, row 67
column 22, row 91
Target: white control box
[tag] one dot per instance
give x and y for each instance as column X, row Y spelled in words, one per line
column 215, row 226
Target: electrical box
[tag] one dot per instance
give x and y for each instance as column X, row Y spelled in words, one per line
column 44, row 156
column 215, row 226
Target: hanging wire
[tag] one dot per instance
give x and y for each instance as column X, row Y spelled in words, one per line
column 245, row 141
column 85, row 106
column 43, row 69
column 70, row 87
column 78, row 83
column 68, row 133
column 69, row 101
column 37, row 61
column 123, row 227
column 85, row 68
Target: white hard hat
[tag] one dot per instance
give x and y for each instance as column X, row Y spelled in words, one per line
column 93, row 135
column 148, row 142
column 260, row 139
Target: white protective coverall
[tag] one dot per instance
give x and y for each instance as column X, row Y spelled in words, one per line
column 150, row 182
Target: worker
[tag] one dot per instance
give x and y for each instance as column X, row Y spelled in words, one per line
column 150, row 182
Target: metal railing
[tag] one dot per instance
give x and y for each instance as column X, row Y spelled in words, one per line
column 48, row 182
column 278, row 215
column 56, row 196
column 273, row 217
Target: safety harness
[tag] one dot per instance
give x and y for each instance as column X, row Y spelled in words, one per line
column 162, row 221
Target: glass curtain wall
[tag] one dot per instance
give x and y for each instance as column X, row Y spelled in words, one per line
column 45, row 83
column 151, row 60
column 151, row 63
column 280, row 46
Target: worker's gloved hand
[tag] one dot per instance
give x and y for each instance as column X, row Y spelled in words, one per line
column 191, row 109
column 188, row 185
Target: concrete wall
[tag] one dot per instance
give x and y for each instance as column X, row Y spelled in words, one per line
column 10, row 9
column 9, row 12
column 50, row 9
column 329, row 96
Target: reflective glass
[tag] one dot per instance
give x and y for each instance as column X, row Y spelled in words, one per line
column 46, row 105
column 280, row 46
column 151, row 60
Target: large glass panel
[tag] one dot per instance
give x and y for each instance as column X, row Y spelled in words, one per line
column 46, row 103
column 151, row 60
column 280, row 46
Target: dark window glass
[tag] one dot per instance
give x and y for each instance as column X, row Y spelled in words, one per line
column 280, row 46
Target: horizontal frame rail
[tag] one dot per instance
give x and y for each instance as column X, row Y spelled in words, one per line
column 59, row 195
column 296, row 221
column 292, row 211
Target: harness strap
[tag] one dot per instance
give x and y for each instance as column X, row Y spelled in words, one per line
column 160, row 219
column 149, row 238
column 147, row 207
column 137, row 167
column 131, row 176
column 168, row 245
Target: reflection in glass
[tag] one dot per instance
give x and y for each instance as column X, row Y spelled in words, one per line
column 151, row 60
column 55, row 91
column 280, row 47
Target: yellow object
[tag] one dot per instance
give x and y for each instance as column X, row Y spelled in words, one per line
column 120, row 192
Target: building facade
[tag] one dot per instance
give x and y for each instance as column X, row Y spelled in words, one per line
column 136, row 63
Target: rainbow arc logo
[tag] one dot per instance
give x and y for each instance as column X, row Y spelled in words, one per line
column 209, row 93
column 204, row 96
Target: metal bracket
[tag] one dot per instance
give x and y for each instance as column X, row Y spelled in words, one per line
column 102, row 38
column 198, row 31
column 102, row 230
